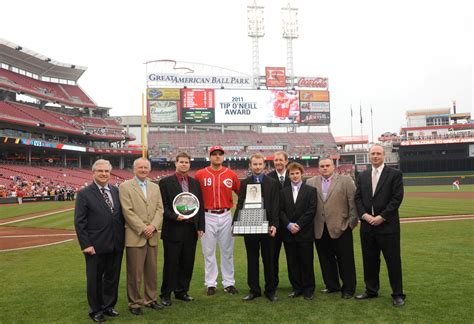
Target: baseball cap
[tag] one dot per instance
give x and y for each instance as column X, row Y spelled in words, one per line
column 216, row 148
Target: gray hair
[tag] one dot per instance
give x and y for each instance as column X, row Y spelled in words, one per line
column 101, row 161
column 326, row 157
column 141, row 159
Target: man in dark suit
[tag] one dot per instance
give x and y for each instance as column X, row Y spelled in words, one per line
column 335, row 217
column 254, row 243
column 100, row 230
column 179, row 234
column 280, row 161
column 297, row 209
column 378, row 196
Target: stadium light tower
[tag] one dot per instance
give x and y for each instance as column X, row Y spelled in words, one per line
column 255, row 31
column 290, row 32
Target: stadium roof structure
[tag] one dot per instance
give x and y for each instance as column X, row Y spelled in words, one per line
column 31, row 61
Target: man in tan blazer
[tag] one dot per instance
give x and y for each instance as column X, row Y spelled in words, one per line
column 142, row 209
column 335, row 218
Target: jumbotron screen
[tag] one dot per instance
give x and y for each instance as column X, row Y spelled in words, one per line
column 237, row 106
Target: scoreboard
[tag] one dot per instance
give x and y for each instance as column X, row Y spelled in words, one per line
column 237, row 106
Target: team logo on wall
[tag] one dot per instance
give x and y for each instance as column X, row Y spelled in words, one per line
column 275, row 76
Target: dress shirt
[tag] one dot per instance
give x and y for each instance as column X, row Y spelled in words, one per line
column 325, row 184
column 376, row 172
column 257, row 178
column 142, row 185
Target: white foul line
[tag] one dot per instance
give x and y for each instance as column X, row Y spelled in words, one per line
column 38, row 216
column 36, row 235
column 36, row 246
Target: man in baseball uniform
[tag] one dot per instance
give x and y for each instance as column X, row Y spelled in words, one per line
column 217, row 184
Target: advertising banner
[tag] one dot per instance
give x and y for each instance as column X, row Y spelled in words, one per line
column 307, row 95
column 164, row 111
column 314, row 107
column 257, row 106
column 312, row 82
column 163, row 94
column 315, row 118
column 178, row 80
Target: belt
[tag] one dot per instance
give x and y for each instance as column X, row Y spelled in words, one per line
column 216, row 211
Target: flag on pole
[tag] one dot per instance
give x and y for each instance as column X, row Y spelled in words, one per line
column 371, row 113
column 351, row 111
column 361, row 114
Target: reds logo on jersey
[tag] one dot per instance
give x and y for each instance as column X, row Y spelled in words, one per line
column 228, row 183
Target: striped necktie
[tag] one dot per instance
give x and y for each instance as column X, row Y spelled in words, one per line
column 107, row 199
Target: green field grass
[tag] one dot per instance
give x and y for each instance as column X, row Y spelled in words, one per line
column 64, row 220
column 420, row 206
column 47, row 285
column 12, row 210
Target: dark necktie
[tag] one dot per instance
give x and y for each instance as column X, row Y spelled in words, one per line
column 282, row 180
column 107, row 199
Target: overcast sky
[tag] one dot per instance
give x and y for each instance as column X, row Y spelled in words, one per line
column 391, row 55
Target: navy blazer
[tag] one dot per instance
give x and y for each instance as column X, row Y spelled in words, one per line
column 172, row 230
column 96, row 225
column 302, row 213
column 385, row 202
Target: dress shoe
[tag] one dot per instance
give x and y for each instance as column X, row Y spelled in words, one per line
column 398, row 301
column 308, row 296
column 98, row 317
column 250, row 297
column 294, row 294
column 184, row 297
column 155, row 306
column 211, row 291
column 346, row 296
column 272, row 297
column 166, row 301
column 111, row 312
column 329, row 291
column 365, row 296
column 136, row 311
column 231, row 290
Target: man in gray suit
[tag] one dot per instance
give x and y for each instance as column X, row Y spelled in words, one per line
column 335, row 217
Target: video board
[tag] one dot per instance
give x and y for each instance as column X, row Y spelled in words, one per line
column 197, row 106
column 257, row 107
column 237, row 106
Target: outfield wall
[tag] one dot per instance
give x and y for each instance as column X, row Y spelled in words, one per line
column 436, row 180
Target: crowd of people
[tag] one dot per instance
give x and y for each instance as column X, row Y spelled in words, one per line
column 322, row 211
column 19, row 187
